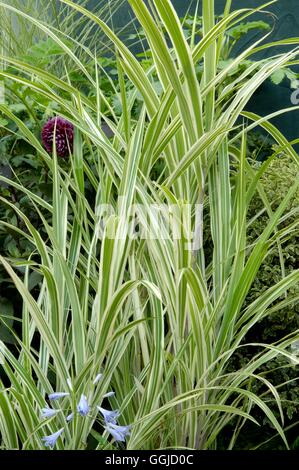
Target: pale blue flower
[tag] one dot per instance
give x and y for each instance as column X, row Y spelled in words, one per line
column 119, row 433
column 50, row 441
column 83, row 406
column 70, row 417
column 57, row 395
column 48, row 412
column 109, row 394
column 110, row 417
column 98, row 377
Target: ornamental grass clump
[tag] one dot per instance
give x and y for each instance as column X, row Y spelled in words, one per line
column 151, row 307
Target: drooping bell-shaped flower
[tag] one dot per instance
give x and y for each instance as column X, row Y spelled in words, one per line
column 97, row 378
column 50, row 441
column 83, row 406
column 109, row 394
column 48, row 412
column 70, row 417
column 57, row 395
column 110, row 416
column 119, row 433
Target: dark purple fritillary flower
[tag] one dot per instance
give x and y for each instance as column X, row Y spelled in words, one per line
column 64, row 136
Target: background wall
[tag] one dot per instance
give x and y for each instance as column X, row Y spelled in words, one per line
column 269, row 98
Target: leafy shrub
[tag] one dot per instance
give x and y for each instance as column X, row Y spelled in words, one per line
column 282, row 259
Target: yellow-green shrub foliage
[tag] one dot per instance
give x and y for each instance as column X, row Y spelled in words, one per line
column 280, row 175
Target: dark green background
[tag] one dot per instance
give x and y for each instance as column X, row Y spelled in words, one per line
column 268, row 98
